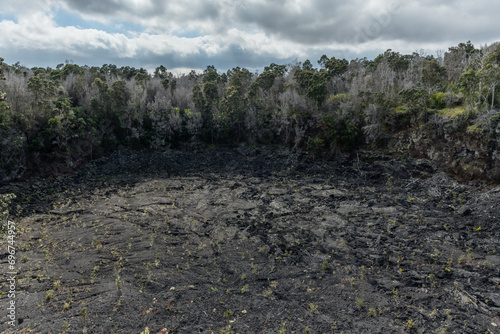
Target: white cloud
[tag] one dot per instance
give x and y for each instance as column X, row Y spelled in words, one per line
column 252, row 33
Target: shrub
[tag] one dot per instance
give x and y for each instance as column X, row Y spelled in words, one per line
column 341, row 134
column 5, row 200
column 315, row 146
column 437, row 100
column 12, row 153
column 451, row 99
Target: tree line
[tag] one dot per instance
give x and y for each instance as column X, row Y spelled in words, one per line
column 70, row 114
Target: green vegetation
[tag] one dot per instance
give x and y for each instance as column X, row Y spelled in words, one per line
column 5, row 201
column 451, row 112
column 71, row 114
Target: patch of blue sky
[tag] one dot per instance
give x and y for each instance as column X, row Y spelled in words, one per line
column 188, row 34
column 6, row 17
column 65, row 19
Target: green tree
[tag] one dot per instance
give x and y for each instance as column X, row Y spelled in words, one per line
column 336, row 67
column 109, row 69
column 266, row 79
column 232, row 108
column 314, row 83
column 458, row 58
column 433, row 74
column 118, row 96
column 198, row 97
column 468, row 84
column 307, row 66
column 141, row 77
column 322, row 61
column 239, row 77
column 465, row 50
column 303, row 77
column 122, row 116
column 3, row 104
column 12, row 141
column 4, row 115
column 316, row 88
column 161, row 72
column 100, row 105
column 396, row 61
column 489, row 74
column 71, row 69
column 211, row 80
column 167, row 78
column 206, row 97
column 44, row 89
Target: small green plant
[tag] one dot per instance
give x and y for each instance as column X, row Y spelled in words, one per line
column 83, row 312
column 228, row 314
column 119, row 302
column 360, row 302
column 118, row 281
column 97, row 244
column 245, row 288
column 410, row 324
column 372, row 312
column 390, row 183
column 353, row 281
column 442, row 330
column 226, row 330
column 487, row 264
column 49, row 295
column 65, row 326
column 313, row 308
column 282, row 328
column 325, row 266
column 268, row 293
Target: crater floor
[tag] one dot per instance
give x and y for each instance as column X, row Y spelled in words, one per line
column 255, row 240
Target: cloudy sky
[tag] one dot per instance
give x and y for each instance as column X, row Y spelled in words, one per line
column 184, row 35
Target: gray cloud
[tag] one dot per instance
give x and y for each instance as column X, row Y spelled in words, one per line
column 99, row 7
column 231, row 56
column 316, row 22
column 310, row 22
column 154, row 14
column 446, row 24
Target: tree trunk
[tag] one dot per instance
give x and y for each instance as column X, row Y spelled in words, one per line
column 480, row 93
column 493, row 96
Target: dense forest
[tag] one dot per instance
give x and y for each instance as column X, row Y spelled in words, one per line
column 58, row 118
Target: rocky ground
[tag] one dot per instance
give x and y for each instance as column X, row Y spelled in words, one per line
column 255, row 240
